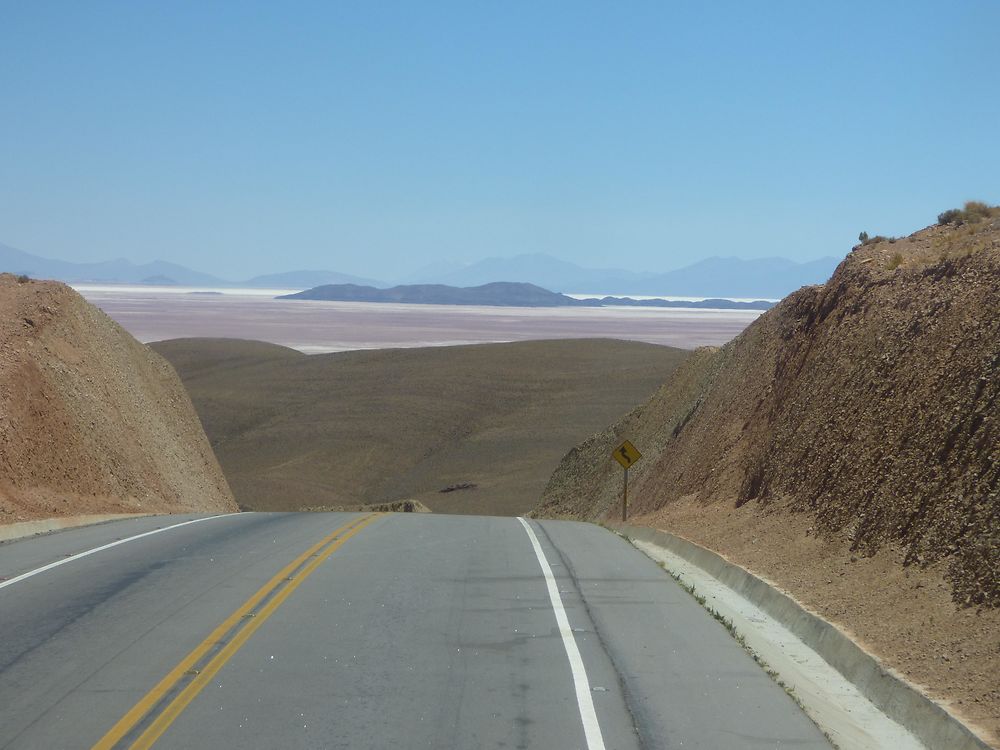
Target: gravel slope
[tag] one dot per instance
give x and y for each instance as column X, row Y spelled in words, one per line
column 92, row 421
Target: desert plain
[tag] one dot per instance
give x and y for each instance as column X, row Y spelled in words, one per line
column 157, row 314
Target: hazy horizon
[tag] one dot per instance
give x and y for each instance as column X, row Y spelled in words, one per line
column 235, row 275
column 365, row 138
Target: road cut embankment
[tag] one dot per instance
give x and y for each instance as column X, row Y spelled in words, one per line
column 92, row 421
column 846, row 445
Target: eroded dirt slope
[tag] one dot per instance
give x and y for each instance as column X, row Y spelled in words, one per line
column 92, row 421
column 855, row 430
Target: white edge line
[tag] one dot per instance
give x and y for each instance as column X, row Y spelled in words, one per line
column 584, row 697
column 73, row 558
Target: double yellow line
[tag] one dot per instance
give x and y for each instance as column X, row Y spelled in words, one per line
column 148, row 719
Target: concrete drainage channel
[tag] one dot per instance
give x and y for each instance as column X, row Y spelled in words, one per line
column 856, row 701
column 13, row 531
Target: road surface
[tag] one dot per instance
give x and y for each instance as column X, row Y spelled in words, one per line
column 343, row 630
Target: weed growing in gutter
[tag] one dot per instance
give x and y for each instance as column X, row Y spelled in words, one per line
column 737, row 636
column 741, row 640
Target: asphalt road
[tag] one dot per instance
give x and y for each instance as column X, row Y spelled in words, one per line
column 350, row 631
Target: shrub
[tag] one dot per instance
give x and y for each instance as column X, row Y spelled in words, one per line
column 976, row 210
column 866, row 240
column 972, row 212
column 949, row 216
column 23, row 278
column 895, row 261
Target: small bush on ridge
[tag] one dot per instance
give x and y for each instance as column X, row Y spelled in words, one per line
column 866, row 240
column 972, row 212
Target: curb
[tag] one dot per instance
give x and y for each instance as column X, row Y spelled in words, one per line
column 904, row 704
column 14, row 531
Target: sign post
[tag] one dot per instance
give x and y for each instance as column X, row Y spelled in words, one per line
column 625, row 497
column 626, row 454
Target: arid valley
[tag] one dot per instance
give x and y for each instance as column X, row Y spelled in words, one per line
column 500, row 376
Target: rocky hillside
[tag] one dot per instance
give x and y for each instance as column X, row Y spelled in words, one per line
column 869, row 403
column 846, row 446
column 91, row 421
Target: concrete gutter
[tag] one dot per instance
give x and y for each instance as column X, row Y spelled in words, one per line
column 10, row 532
column 927, row 721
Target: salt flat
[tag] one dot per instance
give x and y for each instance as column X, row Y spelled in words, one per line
column 156, row 314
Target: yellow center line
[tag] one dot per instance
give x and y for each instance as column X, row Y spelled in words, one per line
column 181, row 701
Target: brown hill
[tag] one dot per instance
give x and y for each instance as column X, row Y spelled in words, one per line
column 846, row 445
column 336, row 430
column 92, row 421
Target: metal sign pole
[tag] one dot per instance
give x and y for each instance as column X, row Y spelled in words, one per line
column 625, row 498
column 626, row 454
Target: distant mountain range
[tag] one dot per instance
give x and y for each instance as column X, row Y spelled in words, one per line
column 770, row 278
column 719, row 277
column 159, row 272
column 306, row 279
column 496, row 294
column 113, row 271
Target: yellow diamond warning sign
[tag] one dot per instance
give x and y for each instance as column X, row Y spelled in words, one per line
column 626, row 454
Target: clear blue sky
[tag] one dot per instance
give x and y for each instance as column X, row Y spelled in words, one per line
column 372, row 138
